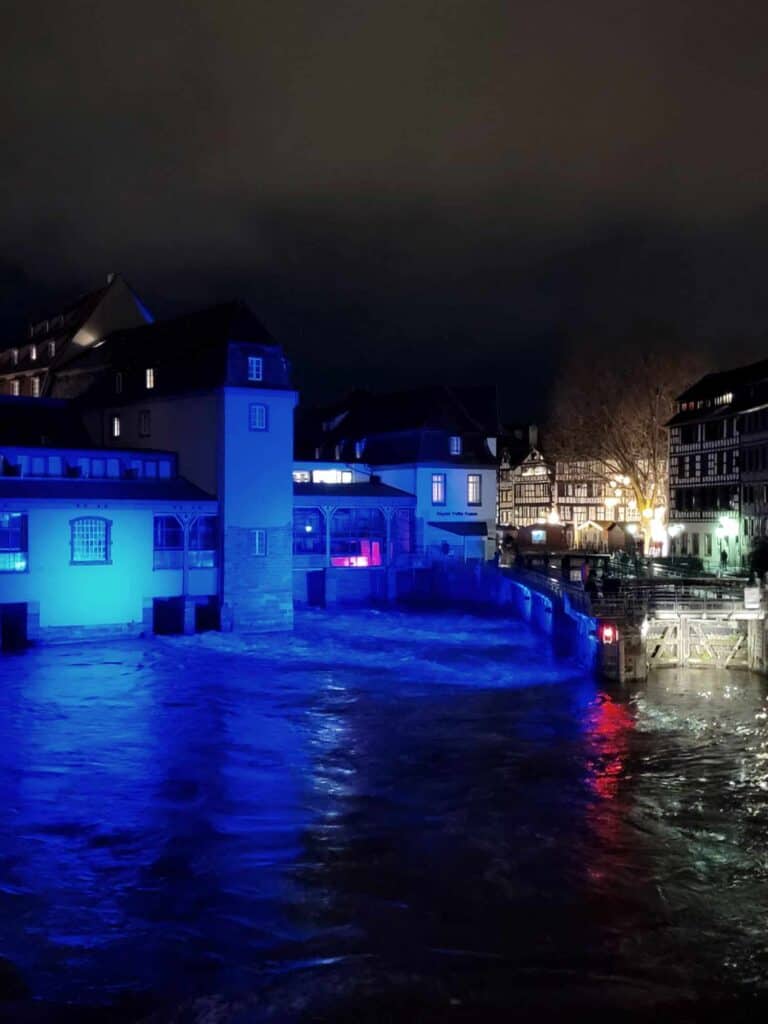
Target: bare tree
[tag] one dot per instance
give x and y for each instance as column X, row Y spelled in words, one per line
column 610, row 406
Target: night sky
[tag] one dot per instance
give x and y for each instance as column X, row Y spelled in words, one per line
column 405, row 191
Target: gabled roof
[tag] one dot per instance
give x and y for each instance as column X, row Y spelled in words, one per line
column 194, row 347
column 714, row 384
column 402, row 426
column 40, row 422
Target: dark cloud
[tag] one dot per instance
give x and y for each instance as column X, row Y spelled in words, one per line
column 446, row 187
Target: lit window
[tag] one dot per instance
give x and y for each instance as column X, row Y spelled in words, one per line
column 118, row 383
column 51, row 349
column 255, row 368
column 169, row 543
column 15, row 387
column 301, row 476
column 257, row 417
column 90, row 540
column 331, row 476
column 455, row 446
column 13, row 542
column 15, row 356
column 438, row 488
column 260, row 543
column 115, row 426
column 33, row 352
column 145, row 423
column 35, row 385
column 203, row 543
column 474, row 489
column 149, row 377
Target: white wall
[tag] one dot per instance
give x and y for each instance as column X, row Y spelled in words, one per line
column 92, row 595
column 418, row 480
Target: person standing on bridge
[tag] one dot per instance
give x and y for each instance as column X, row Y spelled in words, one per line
column 723, row 559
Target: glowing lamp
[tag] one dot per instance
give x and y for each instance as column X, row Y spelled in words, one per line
column 609, row 634
column 553, row 517
column 632, row 528
column 647, row 513
column 729, row 527
column 308, row 527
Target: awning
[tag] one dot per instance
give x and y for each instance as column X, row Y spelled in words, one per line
column 463, row 529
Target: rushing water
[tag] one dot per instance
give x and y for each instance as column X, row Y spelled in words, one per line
column 425, row 812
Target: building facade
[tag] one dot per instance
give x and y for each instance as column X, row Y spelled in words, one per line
column 27, row 364
column 98, row 541
column 704, row 472
column 437, row 444
column 214, row 389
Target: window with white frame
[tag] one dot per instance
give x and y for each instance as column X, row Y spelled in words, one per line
column 13, row 542
column 115, row 426
column 474, row 489
column 255, row 368
column 90, row 540
column 16, row 387
column 35, row 385
column 438, row 488
column 455, row 445
column 260, row 543
column 149, row 378
column 33, row 352
column 257, row 416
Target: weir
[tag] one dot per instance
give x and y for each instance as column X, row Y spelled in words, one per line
column 555, row 609
column 649, row 624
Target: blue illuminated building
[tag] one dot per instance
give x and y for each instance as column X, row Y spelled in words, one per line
column 437, row 444
column 168, row 447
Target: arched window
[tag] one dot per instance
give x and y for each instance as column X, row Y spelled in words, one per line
column 90, row 540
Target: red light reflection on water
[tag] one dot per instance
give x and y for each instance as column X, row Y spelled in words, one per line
column 609, row 726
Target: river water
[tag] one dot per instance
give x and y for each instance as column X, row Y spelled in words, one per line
column 425, row 814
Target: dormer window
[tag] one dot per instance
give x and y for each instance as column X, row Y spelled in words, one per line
column 149, row 377
column 33, row 352
column 455, row 445
column 16, row 388
column 255, row 368
column 35, row 382
column 15, row 356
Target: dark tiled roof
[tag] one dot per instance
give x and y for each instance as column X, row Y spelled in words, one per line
column 189, row 352
column 473, row 529
column 357, row 490
column 714, row 384
column 39, row 421
column 402, row 426
column 177, row 489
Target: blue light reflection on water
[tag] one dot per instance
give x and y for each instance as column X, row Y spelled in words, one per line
column 183, row 815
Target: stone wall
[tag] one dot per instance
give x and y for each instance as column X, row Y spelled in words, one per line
column 257, row 589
